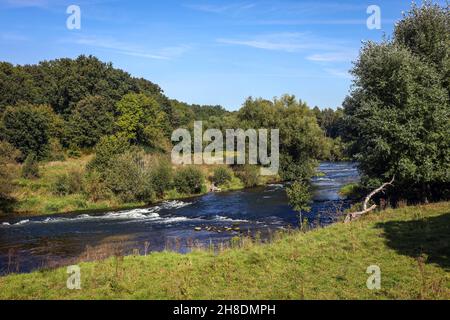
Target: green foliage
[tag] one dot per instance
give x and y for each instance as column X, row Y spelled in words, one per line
column 249, row 175
column 331, row 121
column 68, row 183
column 56, row 152
column 301, row 139
column 62, row 83
column 74, row 152
column 189, row 180
column 30, row 168
column 91, row 118
column 8, row 156
column 425, row 31
column 107, row 148
column 95, row 187
column 398, row 115
column 141, row 120
column 161, row 176
column 299, row 196
column 222, row 175
column 29, row 128
column 128, row 179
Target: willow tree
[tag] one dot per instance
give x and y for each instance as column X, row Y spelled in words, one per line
column 398, row 114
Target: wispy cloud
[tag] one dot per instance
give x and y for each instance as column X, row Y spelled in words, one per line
column 288, row 41
column 344, row 55
column 338, row 73
column 166, row 53
column 294, row 42
column 229, row 8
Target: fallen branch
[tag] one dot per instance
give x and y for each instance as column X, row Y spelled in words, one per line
column 354, row 215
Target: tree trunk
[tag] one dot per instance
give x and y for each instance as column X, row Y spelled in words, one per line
column 354, row 215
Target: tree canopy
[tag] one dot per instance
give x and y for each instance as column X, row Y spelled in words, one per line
column 398, row 114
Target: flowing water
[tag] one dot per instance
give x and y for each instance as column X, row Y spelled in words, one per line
column 30, row 243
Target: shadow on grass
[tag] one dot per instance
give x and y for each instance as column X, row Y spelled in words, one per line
column 429, row 237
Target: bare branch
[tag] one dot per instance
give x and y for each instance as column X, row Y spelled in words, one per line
column 354, row 215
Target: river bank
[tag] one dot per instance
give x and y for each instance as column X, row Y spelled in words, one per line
column 410, row 245
column 35, row 197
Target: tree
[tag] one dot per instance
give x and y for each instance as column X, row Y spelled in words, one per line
column 398, row 114
column 301, row 139
column 29, row 128
column 299, row 198
column 92, row 118
column 142, row 121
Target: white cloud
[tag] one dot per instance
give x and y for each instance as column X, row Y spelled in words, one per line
column 287, row 41
column 339, row 73
column 120, row 47
column 345, row 55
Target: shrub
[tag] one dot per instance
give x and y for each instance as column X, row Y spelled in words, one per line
column 189, row 180
column 222, row 175
column 8, row 156
column 74, row 151
column 95, row 187
column 249, row 175
column 127, row 178
column 161, row 176
column 30, row 168
column 106, row 150
column 69, row 183
column 55, row 150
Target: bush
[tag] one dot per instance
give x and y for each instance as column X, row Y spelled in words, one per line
column 161, row 177
column 30, row 169
column 69, row 183
column 249, row 175
column 189, row 180
column 95, row 187
column 74, row 151
column 55, row 150
column 106, row 150
column 8, row 156
column 222, row 175
column 127, row 178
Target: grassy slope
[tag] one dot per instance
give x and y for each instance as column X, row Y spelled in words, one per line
column 411, row 246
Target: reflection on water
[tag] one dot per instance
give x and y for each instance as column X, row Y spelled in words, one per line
column 34, row 241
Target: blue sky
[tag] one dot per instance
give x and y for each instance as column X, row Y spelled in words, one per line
column 206, row 52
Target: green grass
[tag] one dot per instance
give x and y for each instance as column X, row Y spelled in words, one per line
column 410, row 245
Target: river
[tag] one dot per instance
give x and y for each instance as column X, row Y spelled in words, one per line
column 30, row 243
